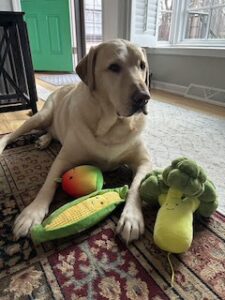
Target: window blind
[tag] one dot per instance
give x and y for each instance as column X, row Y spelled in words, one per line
column 144, row 22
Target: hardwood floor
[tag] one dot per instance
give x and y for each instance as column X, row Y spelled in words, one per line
column 196, row 105
column 12, row 120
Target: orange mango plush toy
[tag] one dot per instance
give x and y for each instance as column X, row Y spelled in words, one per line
column 81, row 181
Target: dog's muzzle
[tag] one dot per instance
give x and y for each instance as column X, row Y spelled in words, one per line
column 139, row 101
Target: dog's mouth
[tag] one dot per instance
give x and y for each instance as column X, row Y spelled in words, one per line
column 139, row 110
column 135, row 110
column 142, row 109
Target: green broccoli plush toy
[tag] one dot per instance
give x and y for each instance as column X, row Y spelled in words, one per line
column 181, row 189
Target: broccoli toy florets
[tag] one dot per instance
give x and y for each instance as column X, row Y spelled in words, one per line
column 186, row 176
column 208, row 200
column 153, row 187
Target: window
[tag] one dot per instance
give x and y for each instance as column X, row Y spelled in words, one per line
column 93, row 22
column 177, row 23
column 164, row 20
column 205, row 20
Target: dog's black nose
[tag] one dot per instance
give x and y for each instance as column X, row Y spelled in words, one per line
column 140, row 98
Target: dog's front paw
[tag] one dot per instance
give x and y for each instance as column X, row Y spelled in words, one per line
column 131, row 224
column 43, row 142
column 32, row 215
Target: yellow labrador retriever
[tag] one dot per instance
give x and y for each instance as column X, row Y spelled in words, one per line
column 98, row 121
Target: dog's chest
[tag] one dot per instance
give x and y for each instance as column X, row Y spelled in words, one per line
column 108, row 157
column 113, row 146
column 120, row 133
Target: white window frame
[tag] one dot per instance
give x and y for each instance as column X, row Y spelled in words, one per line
column 178, row 27
column 172, row 27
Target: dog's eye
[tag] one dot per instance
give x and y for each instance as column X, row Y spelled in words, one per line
column 114, row 68
column 142, row 65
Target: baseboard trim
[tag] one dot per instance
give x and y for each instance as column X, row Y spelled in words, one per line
column 183, row 91
column 169, row 87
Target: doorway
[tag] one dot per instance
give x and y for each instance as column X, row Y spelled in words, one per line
column 49, row 30
column 52, row 28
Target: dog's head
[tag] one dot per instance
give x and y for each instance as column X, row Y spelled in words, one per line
column 118, row 70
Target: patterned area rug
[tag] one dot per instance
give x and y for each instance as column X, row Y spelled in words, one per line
column 60, row 79
column 96, row 264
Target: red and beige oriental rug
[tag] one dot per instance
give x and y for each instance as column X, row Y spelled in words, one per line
column 97, row 264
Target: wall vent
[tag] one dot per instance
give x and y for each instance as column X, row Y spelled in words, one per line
column 204, row 93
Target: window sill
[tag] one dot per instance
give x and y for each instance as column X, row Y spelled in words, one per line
column 188, row 51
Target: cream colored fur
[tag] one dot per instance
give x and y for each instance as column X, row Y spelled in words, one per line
column 94, row 123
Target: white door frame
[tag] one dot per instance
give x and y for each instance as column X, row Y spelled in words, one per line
column 16, row 5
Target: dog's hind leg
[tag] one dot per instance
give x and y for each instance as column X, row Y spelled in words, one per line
column 41, row 120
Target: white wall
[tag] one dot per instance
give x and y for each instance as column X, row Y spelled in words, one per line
column 110, row 24
column 5, row 5
column 116, row 19
column 177, row 73
column 184, row 70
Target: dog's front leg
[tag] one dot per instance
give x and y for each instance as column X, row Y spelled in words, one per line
column 35, row 212
column 131, row 223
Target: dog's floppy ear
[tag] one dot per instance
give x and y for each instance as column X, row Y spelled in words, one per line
column 147, row 75
column 86, row 68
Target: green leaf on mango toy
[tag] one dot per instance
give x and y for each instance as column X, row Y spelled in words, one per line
column 181, row 189
column 79, row 214
column 81, row 180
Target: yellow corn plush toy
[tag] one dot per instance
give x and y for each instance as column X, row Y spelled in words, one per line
column 181, row 189
column 79, row 214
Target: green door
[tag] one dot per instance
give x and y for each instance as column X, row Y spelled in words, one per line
column 48, row 23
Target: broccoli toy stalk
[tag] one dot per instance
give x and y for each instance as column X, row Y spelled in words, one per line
column 181, row 189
